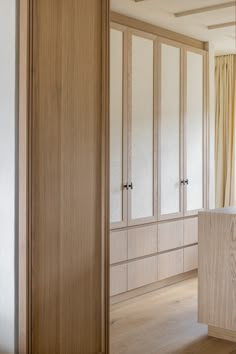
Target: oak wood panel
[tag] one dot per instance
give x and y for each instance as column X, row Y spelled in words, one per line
column 142, row 272
column 142, row 241
column 217, row 255
column 222, row 333
column 142, row 203
column 158, row 31
column 190, row 258
column 170, row 235
column 118, row 279
column 69, row 176
column 118, row 246
column 163, row 322
column 170, row 264
column 190, row 231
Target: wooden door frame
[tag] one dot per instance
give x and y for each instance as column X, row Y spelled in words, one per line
column 24, row 228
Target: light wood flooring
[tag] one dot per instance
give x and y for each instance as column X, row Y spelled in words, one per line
column 163, row 322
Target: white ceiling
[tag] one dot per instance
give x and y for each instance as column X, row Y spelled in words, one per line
column 161, row 13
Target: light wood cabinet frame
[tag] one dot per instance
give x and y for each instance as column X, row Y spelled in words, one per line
column 204, row 128
column 170, row 216
column 132, row 222
column 124, row 221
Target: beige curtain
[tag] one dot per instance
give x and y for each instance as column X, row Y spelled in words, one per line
column 225, row 81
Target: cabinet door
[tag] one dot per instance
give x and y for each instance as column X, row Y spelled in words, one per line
column 118, row 139
column 142, row 241
column 142, row 272
column 118, row 279
column 190, row 258
column 170, row 189
column 170, row 264
column 190, row 231
column 170, row 235
column 142, row 137
column 194, row 133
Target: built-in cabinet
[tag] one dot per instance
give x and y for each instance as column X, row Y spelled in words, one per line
column 158, row 169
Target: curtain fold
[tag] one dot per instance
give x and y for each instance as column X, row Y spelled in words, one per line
column 225, row 82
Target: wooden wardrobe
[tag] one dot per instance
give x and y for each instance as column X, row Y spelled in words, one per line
column 64, row 177
column 158, row 155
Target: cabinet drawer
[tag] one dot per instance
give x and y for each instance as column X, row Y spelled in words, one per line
column 118, row 246
column 142, row 272
column 190, row 231
column 170, row 264
column 118, row 279
column 190, row 258
column 170, row 235
column 142, row 241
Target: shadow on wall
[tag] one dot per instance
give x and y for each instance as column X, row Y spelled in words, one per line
column 2, row 351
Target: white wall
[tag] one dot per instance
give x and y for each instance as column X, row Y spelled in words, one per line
column 7, row 175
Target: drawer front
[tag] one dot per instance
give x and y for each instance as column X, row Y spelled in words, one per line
column 118, row 279
column 118, row 246
column 170, row 235
column 170, row 264
column 190, row 231
column 190, row 258
column 142, row 241
column 142, row 272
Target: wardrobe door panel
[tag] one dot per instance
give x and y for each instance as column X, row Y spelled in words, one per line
column 170, row 161
column 170, row 264
column 118, row 246
column 142, row 241
column 190, row 231
column 194, row 130
column 118, row 279
column 141, row 131
column 118, row 170
column 142, row 272
column 190, row 258
column 170, row 235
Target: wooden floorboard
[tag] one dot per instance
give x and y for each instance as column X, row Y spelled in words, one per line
column 163, row 322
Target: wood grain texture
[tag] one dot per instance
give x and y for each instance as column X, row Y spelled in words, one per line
column 190, row 231
column 23, row 292
column 142, row 272
column 170, row 264
column 163, row 322
column 190, row 258
column 158, row 31
column 152, row 287
column 142, row 241
column 118, row 246
column 69, row 176
column 217, row 264
column 222, row 333
column 118, row 279
column 170, row 235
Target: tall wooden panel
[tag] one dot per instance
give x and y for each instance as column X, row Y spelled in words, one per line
column 118, row 122
column 142, row 135
column 69, row 181
column 170, row 133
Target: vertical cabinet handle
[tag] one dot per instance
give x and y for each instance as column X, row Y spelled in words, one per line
column 131, row 185
column 184, row 181
column 126, row 186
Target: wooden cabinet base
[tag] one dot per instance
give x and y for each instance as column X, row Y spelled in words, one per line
column 222, row 333
column 152, row 287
